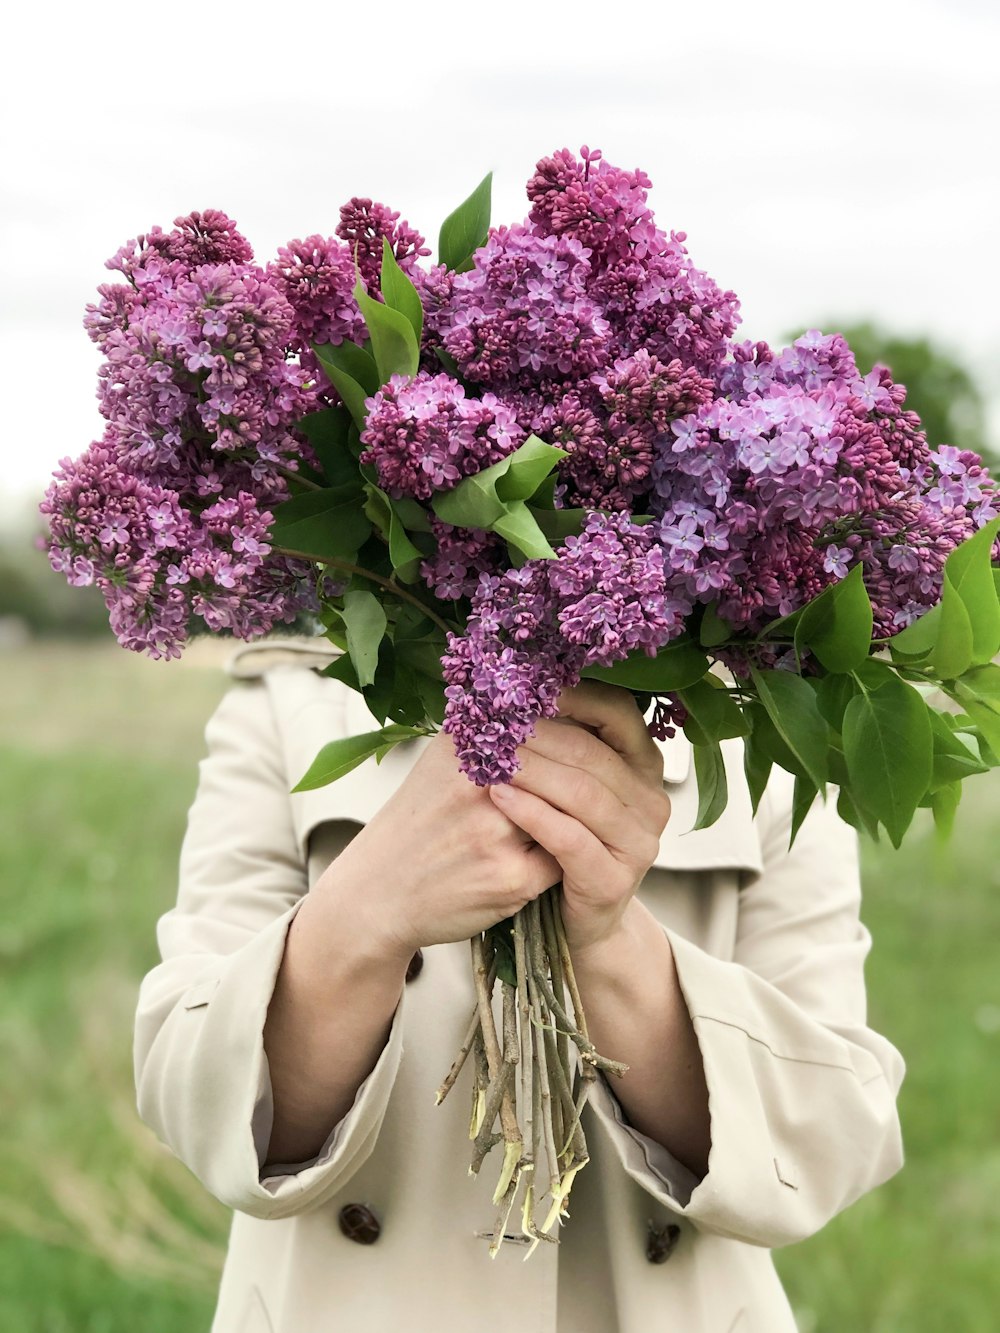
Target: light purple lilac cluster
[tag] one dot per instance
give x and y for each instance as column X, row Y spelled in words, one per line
column 169, row 512
column 424, row 435
column 533, row 630
column 800, row 469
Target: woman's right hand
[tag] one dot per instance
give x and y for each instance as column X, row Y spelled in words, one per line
column 437, row 864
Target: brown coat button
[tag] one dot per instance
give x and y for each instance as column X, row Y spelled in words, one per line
column 416, row 966
column 660, row 1242
column 359, row 1223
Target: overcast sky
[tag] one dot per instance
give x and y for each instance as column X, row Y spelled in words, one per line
column 828, row 163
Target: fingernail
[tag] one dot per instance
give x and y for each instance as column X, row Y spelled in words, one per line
column 501, row 792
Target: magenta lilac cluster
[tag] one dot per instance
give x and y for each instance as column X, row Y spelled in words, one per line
column 424, row 435
column 533, row 631
column 168, row 514
column 317, row 277
column 589, row 322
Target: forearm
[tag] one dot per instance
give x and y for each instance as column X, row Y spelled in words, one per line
column 636, row 1013
column 327, row 1022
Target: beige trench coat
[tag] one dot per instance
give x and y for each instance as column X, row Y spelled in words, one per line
column 769, row 952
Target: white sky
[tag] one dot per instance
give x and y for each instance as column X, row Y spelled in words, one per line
column 829, row 163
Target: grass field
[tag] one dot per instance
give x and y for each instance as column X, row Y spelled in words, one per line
column 102, row 1232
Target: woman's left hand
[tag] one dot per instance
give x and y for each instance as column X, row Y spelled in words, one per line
column 590, row 792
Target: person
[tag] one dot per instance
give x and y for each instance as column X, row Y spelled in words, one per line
column 315, row 985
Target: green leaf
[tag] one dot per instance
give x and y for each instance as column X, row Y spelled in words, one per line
column 492, row 495
column 888, row 745
column 955, row 756
column 953, row 652
column 767, row 739
column 558, row 524
column 837, row 625
column 944, row 804
column 791, row 705
column 833, row 694
column 342, row 669
column 466, row 229
column 714, row 630
column 431, row 696
column 968, row 617
column 352, row 360
column 520, row 530
column 321, row 524
column 969, row 574
column 984, row 683
column 412, row 514
column 676, row 666
column 423, row 655
column 978, row 691
column 803, row 797
column 393, row 693
column 351, row 390
column 365, row 623
column 404, row 555
column 399, row 293
column 521, row 473
column 501, row 937
column 918, row 639
column 394, row 343
column 757, row 766
column 327, row 432
column 713, row 791
column 340, row 757
column 473, row 503
column 857, row 819
column 478, row 501
column 712, row 713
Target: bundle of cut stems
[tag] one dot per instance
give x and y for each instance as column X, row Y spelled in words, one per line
column 534, row 1075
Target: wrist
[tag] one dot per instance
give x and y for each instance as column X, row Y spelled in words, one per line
column 353, row 928
column 613, row 953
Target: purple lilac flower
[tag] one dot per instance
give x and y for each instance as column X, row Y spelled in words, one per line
column 462, row 554
column 609, row 428
column 158, row 561
column 601, row 206
column 197, row 354
column 641, row 279
column 812, row 469
column 364, row 225
column 317, row 277
column 169, row 513
column 533, row 630
column 522, row 314
column 424, row 435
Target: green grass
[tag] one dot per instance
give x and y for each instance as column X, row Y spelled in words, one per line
column 103, row 1232
column 921, row 1252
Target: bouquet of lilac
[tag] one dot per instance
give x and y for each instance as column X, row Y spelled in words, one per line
column 544, row 458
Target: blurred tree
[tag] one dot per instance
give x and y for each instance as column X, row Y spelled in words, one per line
column 30, row 592
column 938, row 387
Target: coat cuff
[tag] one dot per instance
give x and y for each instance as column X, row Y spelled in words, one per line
column 312, row 1177
column 212, row 1043
column 802, row 1118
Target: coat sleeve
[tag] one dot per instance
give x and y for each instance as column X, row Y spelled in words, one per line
column 201, row 1071
column 802, row 1093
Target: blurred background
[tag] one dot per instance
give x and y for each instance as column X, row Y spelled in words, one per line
column 837, row 167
